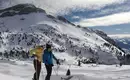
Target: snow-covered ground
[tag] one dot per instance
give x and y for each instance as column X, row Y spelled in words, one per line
column 23, row 70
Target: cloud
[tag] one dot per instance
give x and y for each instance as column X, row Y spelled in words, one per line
column 64, row 6
column 75, row 17
column 126, row 32
column 114, row 19
column 118, row 29
column 120, row 35
column 113, row 8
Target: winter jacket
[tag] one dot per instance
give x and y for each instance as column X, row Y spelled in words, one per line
column 48, row 57
column 37, row 52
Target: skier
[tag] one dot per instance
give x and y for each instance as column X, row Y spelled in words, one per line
column 36, row 53
column 47, row 60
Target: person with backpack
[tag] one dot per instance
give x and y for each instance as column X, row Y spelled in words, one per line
column 36, row 53
column 48, row 57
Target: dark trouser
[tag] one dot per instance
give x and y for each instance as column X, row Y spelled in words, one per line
column 49, row 71
column 37, row 66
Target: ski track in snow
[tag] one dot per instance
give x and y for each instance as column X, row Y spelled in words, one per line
column 23, row 70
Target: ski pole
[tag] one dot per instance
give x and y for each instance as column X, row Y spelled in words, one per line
column 36, row 70
column 55, row 72
column 43, row 72
column 58, row 66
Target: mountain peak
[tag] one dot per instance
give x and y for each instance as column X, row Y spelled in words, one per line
column 19, row 10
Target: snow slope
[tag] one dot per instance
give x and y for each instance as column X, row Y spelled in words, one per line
column 23, row 70
column 20, row 31
column 6, row 77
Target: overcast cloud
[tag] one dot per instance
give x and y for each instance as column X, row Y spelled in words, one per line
column 114, row 19
column 65, row 7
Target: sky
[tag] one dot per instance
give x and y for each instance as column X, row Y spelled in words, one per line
column 110, row 16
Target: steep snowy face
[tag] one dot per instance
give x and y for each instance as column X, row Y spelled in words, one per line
column 33, row 27
column 109, row 39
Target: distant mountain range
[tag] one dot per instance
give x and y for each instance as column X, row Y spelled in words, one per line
column 123, row 42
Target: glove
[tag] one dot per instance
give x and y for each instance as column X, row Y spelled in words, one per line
column 58, row 62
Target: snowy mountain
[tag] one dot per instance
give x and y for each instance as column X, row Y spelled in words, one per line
column 109, row 39
column 23, row 26
column 123, row 42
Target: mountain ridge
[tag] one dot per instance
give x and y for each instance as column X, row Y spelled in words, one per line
column 22, row 32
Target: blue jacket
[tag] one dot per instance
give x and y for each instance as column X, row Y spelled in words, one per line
column 48, row 57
